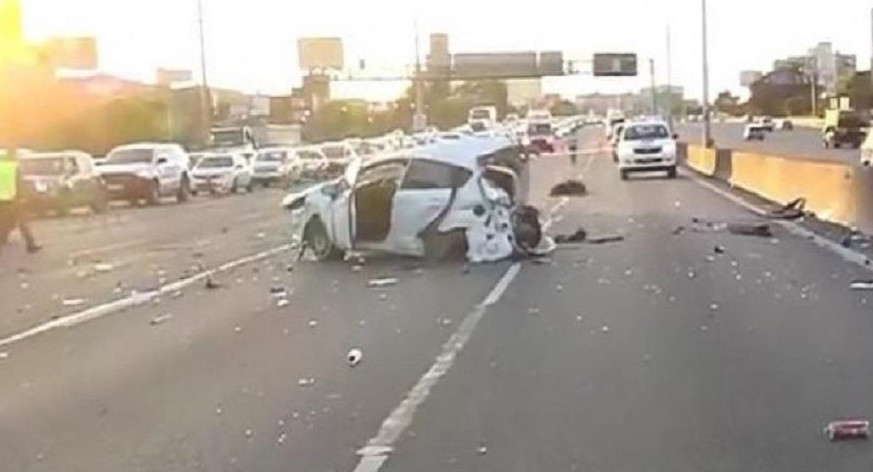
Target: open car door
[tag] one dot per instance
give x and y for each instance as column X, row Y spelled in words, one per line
column 372, row 202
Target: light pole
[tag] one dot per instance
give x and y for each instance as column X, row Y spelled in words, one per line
column 707, row 126
column 669, row 77
column 654, row 91
column 205, row 96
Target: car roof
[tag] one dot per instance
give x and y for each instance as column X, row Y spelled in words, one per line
column 147, row 146
column 464, row 152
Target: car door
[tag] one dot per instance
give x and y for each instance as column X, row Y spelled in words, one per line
column 167, row 170
column 374, row 187
column 423, row 196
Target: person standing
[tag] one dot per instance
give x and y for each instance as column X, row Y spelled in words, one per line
column 12, row 208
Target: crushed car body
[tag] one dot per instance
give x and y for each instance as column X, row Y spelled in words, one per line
column 442, row 199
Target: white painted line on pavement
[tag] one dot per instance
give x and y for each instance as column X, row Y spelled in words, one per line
column 137, row 299
column 793, row 228
column 375, row 453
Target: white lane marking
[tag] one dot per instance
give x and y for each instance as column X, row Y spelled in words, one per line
column 377, row 449
column 793, row 228
column 137, row 299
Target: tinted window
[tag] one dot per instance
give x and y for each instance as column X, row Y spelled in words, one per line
column 271, row 156
column 640, row 132
column 215, row 162
column 423, row 174
column 130, row 156
column 42, row 166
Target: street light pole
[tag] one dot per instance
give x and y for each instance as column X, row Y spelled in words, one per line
column 654, row 91
column 205, row 95
column 707, row 125
column 669, row 78
column 418, row 121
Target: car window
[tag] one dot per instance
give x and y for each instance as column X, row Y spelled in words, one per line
column 72, row 165
column 391, row 171
column 130, row 156
column 214, row 162
column 271, row 156
column 424, row 174
column 309, row 155
column 641, row 132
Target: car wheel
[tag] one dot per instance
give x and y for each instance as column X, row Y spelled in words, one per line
column 671, row 173
column 100, row 204
column 233, row 186
column 623, row 174
column 153, row 197
column 318, row 241
column 184, row 191
column 837, row 145
column 250, row 187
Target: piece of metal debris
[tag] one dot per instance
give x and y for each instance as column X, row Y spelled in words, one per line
column 312, row 323
column 354, row 357
column 862, row 285
column 482, row 450
column 160, row 319
column 282, row 302
column 386, row 282
column 605, row 239
column 847, row 429
column 73, row 302
column 306, row 382
column 750, row 229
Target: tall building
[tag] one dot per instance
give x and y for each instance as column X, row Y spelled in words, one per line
column 821, row 61
column 439, row 58
column 523, row 92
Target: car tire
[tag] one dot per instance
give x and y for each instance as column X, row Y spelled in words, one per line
column 234, row 187
column 184, row 191
column 671, row 173
column 153, row 194
column 250, row 187
column 623, row 174
column 317, row 240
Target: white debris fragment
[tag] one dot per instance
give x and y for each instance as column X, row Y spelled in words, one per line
column 386, row 282
column 713, row 306
column 559, row 288
column 4, row 355
column 282, row 302
column 312, row 323
column 160, row 319
column 862, row 285
column 482, row 450
column 604, row 329
column 692, row 274
column 533, row 311
column 354, row 357
column 306, row 381
column 579, row 318
column 703, row 327
column 103, row 267
column 249, row 433
column 73, row 302
column 383, row 296
column 237, row 329
column 357, row 268
column 282, row 438
column 218, row 410
column 25, row 285
column 261, row 235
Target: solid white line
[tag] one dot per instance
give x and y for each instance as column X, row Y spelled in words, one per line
column 793, row 228
column 137, row 299
column 375, row 453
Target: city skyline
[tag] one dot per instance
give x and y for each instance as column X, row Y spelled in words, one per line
column 254, row 48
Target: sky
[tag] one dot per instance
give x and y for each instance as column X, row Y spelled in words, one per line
column 251, row 45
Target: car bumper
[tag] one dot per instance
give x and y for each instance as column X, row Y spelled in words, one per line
column 647, row 162
column 122, row 188
column 206, row 185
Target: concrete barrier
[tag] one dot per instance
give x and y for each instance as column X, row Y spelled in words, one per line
column 700, row 159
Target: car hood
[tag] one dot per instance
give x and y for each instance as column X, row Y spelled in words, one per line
column 122, row 168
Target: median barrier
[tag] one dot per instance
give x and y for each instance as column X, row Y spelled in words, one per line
column 701, row 159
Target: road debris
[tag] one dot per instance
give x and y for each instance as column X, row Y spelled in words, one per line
column 605, row 239
column 678, row 230
column 862, row 285
column 847, row 429
column 72, row 302
column 306, row 381
column 282, row 302
column 379, row 283
column 383, row 296
column 761, row 230
column 354, row 357
column 579, row 236
column 791, row 211
column 718, row 249
column 103, row 267
column 4, row 355
column 604, row 329
column 482, row 449
column 569, row 188
column 357, row 268
column 312, row 323
column 211, row 284
column 25, row 285
column 160, row 319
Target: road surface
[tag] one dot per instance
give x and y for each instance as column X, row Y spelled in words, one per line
column 801, row 143
column 651, row 354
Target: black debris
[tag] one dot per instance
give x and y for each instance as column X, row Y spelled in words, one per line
column 750, row 229
column 277, row 289
column 569, row 188
column 211, row 284
column 679, row 230
column 605, row 239
column 577, row 237
column 791, row 211
column 718, row 249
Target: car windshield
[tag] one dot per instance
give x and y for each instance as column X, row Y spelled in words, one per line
column 130, row 156
column 448, row 236
column 643, row 132
column 43, row 166
column 213, row 162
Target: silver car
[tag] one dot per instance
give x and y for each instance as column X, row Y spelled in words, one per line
column 221, row 173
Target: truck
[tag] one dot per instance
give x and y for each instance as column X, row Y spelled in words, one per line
column 253, row 137
column 482, row 116
column 843, row 127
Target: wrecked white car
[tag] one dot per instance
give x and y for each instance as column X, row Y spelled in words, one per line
column 447, row 198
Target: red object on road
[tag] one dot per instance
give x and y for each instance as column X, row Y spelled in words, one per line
column 848, row 429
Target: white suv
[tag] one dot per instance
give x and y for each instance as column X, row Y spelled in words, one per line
column 147, row 171
column 646, row 146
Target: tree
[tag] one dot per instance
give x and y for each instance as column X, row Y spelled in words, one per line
column 726, row 103
column 564, row 108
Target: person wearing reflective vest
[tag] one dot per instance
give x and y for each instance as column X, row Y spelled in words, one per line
column 12, row 209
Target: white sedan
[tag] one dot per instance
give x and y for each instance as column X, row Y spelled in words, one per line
column 429, row 202
column 221, row 172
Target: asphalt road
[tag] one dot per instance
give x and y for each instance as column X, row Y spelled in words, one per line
column 651, row 354
column 801, row 143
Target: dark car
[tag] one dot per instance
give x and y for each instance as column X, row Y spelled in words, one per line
column 58, row 182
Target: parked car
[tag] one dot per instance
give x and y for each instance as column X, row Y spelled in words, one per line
column 767, row 124
column 754, row 131
column 147, row 171
column 429, row 202
column 221, row 173
column 646, row 146
column 312, row 162
column 61, row 181
column 339, row 155
column 542, row 136
column 275, row 166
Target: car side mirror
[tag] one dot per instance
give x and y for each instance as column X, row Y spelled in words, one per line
column 162, row 160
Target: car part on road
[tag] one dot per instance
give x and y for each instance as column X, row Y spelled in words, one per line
column 750, row 229
column 354, row 357
column 847, row 429
column 790, row 211
column 569, row 188
column 605, row 239
column 379, row 283
column 579, row 236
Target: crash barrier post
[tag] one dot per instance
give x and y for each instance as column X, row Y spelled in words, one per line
column 723, row 164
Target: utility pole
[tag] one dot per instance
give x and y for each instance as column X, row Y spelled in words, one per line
column 707, row 125
column 205, row 95
column 669, row 78
column 419, row 120
column 654, row 90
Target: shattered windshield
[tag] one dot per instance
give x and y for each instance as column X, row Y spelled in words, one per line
column 436, row 236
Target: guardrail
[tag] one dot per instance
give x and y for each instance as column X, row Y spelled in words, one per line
column 836, row 192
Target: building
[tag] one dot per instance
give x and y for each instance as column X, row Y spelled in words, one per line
column 749, row 77
column 666, row 97
column 600, row 104
column 828, row 66
column 523, row 92
column 439, row 58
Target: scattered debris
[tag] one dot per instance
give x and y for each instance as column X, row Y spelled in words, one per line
column 579, row 236
column 354, row 357
column 791, row 211
column 25, row 285
column 312, row 323
column 605, row 239
column 569, row 188
column 261, row 235
column 160, row 319
column 73, row 302
column 862, row 285
column 481, row 450
column 559, row 288
column 713, row 306
column 847, row 429
column 357, row 268
column 718, row 249
column 282, row 302
column 678, row 230
column 306, row 382
column 103, row 267
column 249, row 433
column 237, row 329
column 750, row 229
column 211, row 284
column 386, row 282
column 604, row 329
